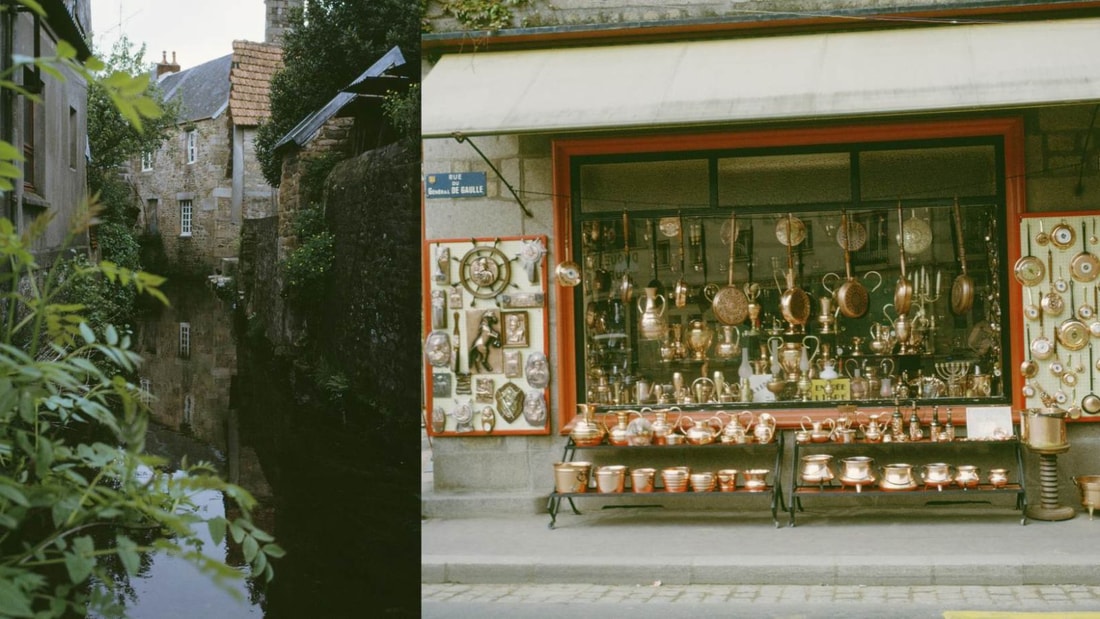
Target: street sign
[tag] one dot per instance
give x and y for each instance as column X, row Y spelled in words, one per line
column 455, row 185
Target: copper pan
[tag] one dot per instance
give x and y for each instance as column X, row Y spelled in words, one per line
column 903, row 293
column 794, row 303
column 730, row 304
column 962, row 291
column 852, row 297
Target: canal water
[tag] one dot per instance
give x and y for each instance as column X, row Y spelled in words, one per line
column 338, row 498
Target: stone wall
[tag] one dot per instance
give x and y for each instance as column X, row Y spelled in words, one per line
column 207, row 184
column 332, row 138
column 542, row 13
column 260, row 199
column 369, row 328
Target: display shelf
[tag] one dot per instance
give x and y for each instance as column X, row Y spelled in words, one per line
column 743, row 453
column 947, row 492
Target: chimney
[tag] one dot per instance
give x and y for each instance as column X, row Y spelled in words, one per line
column 164, row 66
column 277, row 17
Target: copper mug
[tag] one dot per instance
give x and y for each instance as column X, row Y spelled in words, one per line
column 727, row 480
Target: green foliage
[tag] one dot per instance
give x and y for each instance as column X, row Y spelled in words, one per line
column 113, row 140
column 403, row 112
column 307, row 266
column 78, row 495
column 60, row 378
column 327, row 46
column 483, row 14
column 314, row 172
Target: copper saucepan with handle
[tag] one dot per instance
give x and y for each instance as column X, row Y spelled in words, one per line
column 1085, row 266
column 962, row 290
column 730, row 304
column 1052, row 302
column 852, row 297
column 903, row 293
column 1091, row 403
column 794, row 303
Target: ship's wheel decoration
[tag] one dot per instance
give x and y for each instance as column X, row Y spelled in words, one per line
column 485, row 271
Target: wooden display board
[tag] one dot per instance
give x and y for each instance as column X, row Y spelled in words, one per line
column 1060, row 288
column 486, row 336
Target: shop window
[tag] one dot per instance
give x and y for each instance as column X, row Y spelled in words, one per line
column 653, row 234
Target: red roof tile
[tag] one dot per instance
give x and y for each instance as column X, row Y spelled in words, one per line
column 250, row 81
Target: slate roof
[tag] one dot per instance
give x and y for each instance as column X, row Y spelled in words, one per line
column 250, row 81
column 305, row 130
column 203, row 89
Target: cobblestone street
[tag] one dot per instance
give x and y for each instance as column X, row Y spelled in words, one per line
column 656, row 600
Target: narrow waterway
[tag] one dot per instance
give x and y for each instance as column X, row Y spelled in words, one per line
column 332, row 492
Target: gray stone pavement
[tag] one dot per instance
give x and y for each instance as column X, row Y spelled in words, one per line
column 842, row 562
column 778, row 601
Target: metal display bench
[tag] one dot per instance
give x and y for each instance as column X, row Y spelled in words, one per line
column 926, row 451
column 737, row 452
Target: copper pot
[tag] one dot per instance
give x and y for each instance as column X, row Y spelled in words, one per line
column 1089, row 486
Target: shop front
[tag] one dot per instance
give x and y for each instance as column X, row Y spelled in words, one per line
column 815, row 228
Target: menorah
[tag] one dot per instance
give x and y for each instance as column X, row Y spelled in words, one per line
column 955, row 373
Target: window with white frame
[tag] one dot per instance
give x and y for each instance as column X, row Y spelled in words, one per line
column 185, row 340
column 192, row 146
column 185, row 217
column 146, row 161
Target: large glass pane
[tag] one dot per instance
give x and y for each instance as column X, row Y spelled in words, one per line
column 784, row 179
column 962, row 171
column 644, row 185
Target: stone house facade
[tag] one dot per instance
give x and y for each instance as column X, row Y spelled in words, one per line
column 542, row 121
column 199, row 186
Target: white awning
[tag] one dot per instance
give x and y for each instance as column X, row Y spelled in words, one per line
column 767, row 78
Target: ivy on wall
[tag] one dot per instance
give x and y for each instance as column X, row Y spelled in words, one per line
column 483, row 14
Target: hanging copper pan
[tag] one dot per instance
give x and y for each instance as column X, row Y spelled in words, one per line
column 680, row 289
column 903, row 293
column 794, row 304
column 1052, row 302
column 730, row 305
column 1085, row 266
column 1029, row 269
column 1073, row 333
column 962, row 290
column 852, row 297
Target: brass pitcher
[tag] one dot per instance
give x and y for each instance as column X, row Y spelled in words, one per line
column 730, row 344
column 651, row 324
column 764, row 430
column 587, row 432
column 734, row 431
column 699, row 338
column 661, row 427
column 618, row 434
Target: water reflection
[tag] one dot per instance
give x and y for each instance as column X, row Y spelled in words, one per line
column 189, row 364
column 340, row 497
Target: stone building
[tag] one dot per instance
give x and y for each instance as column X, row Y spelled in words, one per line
column 50, row 132
column 673, row 117
column 196, row 189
